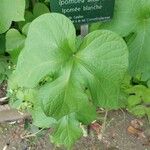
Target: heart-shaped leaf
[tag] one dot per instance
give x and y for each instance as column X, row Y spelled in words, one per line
column 133, row 17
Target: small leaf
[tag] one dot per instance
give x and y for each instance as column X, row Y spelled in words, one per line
column 138, row 110
column 138, row 90
column 134, row 100
column 14, row 43
column 39, row 9
column 146, row 97
column 25, row 28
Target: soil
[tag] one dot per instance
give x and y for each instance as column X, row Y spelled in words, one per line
column 3, row 88
column 115, row 137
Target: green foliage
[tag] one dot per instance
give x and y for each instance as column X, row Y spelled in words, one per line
column 10, row 10
column 2, row 43
column 139, row 100
column 14, row 43
column 66, row 131
column 38, row 9
column 61, row 79
column 133, row 17
column 97, row 64
column 5, row 68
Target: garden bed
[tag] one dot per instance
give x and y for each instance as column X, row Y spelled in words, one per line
column 116, row 137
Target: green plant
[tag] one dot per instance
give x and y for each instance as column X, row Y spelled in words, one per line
column 97, row 65
column 132, row 21
column 139, row 101
column 10, row 11
column 60, row 78
column 12, row 40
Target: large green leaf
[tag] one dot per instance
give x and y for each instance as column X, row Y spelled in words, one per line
column 103, row 61
column 67, row 131
column 10, row 10
column 40, row 119
column 66, row 95
column 98, row 65
column 133, row 16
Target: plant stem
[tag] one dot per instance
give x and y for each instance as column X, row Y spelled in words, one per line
column 33, row 2
column 32, row 135
column 100, row 136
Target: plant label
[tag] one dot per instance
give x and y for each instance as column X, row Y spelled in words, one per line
column 84, row 11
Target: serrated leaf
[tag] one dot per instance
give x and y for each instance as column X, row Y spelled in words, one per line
column 67, row 131
column 10, row 10
column 133, row 16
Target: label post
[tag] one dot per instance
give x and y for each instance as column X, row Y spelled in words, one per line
column 84, row 29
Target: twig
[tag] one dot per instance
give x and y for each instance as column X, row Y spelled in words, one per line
column 3, row 99
column 5, row 147
column 100, row 136
column 109, row 122
column 31, row 135
column 124, row 115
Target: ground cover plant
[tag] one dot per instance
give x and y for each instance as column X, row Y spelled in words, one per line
column 62, row 79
